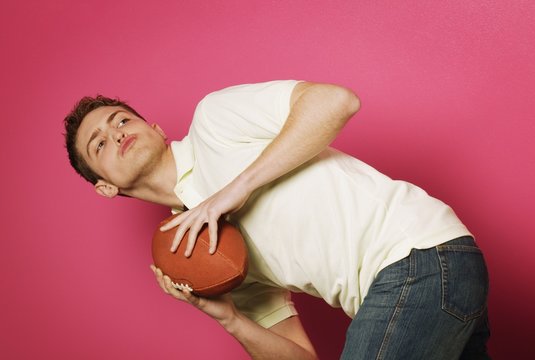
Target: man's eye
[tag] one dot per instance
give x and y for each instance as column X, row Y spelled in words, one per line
column 100, row 145
column 123, row 122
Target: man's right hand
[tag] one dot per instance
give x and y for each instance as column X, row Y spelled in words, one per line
column 285, row 340
column 220, row 308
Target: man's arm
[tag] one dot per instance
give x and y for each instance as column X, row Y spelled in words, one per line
column 285, row 340
column 317, row 114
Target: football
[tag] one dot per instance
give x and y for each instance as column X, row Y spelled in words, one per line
column 202, row 273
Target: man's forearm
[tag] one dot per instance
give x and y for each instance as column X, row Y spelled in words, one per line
column 316, row 117
column 262, row 343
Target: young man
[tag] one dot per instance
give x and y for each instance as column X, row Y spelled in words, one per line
column 316, row 220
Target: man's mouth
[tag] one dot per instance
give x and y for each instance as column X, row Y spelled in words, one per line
column 125, row 145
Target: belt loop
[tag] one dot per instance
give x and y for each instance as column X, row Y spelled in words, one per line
column 412, row 264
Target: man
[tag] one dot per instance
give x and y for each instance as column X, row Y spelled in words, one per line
column 316, row 220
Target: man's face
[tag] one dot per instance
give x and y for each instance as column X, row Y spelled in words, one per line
column 119, row 146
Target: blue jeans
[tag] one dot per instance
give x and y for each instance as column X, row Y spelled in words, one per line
column 430, row 305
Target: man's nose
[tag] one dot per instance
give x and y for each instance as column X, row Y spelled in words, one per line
column 118, row 136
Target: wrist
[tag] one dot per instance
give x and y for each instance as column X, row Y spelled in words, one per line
column 232, row 323
column 245, row 181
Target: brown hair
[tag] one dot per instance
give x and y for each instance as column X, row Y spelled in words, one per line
column 72, row 122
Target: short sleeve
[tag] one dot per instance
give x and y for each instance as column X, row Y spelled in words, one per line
column 264, row 304
column 245, row 113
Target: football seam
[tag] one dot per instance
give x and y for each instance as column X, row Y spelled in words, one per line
column 205, row 243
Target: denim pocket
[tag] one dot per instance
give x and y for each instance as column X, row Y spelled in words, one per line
column 465, row 282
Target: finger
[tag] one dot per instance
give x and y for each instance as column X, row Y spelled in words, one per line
column 174, row 222
column 192, row 237
column 212, row 232
column 160, row 279
column 168, row 284
column 159, row 273
column 171, row 290
column 182, row 229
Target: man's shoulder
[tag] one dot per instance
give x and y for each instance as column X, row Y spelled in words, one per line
column 247, row 95
column 254, row 110
column 249, row 88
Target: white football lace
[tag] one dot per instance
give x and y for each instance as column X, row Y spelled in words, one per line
column 181, row 286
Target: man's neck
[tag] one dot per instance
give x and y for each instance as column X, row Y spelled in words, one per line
column 158, row 185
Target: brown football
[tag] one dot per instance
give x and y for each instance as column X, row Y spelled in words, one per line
column 204, row 274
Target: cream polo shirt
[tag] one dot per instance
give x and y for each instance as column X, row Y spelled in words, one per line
column 326, row 228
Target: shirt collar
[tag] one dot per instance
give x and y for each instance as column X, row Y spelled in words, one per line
column 184, row 158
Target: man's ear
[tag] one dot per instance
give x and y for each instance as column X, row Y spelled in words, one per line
column 106, row 189
column 159, row 130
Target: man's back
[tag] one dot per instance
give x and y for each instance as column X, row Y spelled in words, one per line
column 326, row 228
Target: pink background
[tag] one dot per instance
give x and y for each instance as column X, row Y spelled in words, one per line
column 448, row 93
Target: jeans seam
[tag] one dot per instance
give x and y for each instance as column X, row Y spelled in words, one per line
column 459, row 248
column 398, row 307
column 443, row 279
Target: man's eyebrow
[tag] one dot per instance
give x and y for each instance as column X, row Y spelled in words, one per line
column 95, row 133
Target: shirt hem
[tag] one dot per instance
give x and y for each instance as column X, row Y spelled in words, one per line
column 277, row 316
